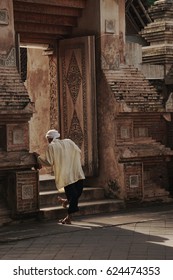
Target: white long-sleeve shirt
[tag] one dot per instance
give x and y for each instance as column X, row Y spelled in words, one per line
column 65, row 157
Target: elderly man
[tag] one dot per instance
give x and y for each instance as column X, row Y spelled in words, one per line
column 65, row 157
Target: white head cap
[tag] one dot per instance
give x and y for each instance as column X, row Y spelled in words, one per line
column 53, row 133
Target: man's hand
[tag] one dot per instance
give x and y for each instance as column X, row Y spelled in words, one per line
column 37, row 166
column 35, row 154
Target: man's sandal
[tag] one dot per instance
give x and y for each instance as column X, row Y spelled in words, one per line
column 65, row 221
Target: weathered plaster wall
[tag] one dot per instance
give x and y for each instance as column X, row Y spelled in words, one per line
column 6, row 27
column 112, row 34
column 109, row 12
column 103, row 18
column 39, row 91
column 111, row 174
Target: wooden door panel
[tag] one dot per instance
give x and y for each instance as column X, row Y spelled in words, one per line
column 78, row 97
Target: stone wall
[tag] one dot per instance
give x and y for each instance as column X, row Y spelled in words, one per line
column 38, row 87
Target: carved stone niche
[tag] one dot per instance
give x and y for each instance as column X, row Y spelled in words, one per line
column 14, row 137
column 4, row 20
column 17, row 137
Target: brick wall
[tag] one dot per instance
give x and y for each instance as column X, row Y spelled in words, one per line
column 156, row 126
column 23, row 191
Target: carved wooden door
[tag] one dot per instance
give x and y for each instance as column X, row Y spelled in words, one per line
column 78, row 97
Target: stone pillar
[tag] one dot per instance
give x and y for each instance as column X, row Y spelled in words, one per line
column 17, row 190
column 107, row 23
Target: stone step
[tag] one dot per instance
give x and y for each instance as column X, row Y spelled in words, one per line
column 47, row 183
column 86, row 208
column 92, row 200
column 49, row 198
column 126, row 85
column 131, row 92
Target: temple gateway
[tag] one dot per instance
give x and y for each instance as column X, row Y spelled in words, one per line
column 99, row 71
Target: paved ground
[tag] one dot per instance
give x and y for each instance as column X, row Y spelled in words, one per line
column 138, row 234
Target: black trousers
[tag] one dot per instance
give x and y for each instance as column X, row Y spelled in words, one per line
column 73, row 192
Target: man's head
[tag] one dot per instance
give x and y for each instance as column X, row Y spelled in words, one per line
column 52, row 134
